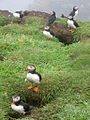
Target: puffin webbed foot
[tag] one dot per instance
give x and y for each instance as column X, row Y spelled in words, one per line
column 30, row 87
column 71, row 30
column 49, row 38
column 36, row 88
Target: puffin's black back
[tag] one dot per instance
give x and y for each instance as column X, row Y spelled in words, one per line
column 51, row 19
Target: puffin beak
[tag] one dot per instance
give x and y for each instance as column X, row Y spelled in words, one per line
column 26, row 69
column 13, row 101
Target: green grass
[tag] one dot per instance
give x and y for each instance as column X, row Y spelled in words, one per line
column 65, row 71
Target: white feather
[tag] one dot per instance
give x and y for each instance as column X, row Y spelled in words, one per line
column 71, row 24
column 76, row 13
column 46, row 33
column 18, row 109
column 33, row 78
column 16, row 15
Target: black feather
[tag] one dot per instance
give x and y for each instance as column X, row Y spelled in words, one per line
column 75, row 23
column 51, row 20
column 72, row 14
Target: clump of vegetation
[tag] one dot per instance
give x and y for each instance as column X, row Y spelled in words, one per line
column 22, row 45
column 3, row 20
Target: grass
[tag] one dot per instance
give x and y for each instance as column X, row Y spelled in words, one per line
column 65, row 71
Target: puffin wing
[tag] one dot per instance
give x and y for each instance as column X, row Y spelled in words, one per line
column 25, row 105
column 51, row 19
column 72, row 14
column 40, row 77
column 76, row 24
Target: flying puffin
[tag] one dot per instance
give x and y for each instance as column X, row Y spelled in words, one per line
column 72, row 14
column 33, row 77
column 72, row 23
column 51, row 18
column 18, row 14
column 48, row 33
column 19, row 106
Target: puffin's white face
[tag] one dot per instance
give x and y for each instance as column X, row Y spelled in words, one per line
column 30, row 68
column 51, row 12
column 15, row 98
column 46, row 28
column 75, row 8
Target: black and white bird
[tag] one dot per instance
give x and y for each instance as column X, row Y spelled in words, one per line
column 20, row 106
column 18, row 14
column 73, row 14
column 51, row 18
column 48, row 33
column 72, row 23
column 33, row 77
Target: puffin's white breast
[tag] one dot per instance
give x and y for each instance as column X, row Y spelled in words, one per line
column 33, row 78
column 76, row 13
column 19, row 108
column 46, row 33
column 16, row 15
column 71, row 24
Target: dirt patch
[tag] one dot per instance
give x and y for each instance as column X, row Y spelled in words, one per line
column 1, row 58
column 6, row 13
column 85, row 39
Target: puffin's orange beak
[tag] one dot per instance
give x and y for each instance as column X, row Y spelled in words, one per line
column 26, row 69
column 13, row 101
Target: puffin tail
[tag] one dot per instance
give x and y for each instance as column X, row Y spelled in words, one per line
column 31, row 107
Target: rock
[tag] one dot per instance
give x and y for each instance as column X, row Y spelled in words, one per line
column 62, row 33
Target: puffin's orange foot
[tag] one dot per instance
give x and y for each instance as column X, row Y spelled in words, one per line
column 36, row 89
column 30, row 87
column 71, row 30
column 49, row 38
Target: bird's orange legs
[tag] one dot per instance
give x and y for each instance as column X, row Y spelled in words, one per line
column 71, row 30
column 30, row 86
column 49, row 38
column 36, row 88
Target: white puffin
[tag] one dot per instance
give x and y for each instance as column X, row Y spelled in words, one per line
column 33, row 77
column 18, row 14
column 72, row 23
column 48, row 33
column 19, row 106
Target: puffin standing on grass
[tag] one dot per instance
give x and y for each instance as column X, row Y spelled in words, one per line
column 51, row 18
column 19, row 106
column 33, row 77
column 72, row 23
column 48, row 33
column 18, row 14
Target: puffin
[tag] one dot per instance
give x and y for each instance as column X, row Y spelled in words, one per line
column 48, row 33
column 20, row 106
column 73, row 14
column 33, row 77
column 18, row 14
column 51, row 18
column 72, row 23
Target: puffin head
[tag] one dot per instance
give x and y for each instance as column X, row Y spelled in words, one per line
column 15, row 99
column 52, row 13
column 31, row 68
column 75, row 8
column 46, row 28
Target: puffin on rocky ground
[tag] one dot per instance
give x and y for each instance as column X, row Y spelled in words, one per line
column 33, row 76
column 48, row 33
column 51, row 18
column 20, row 106
column 18, row 14
column 72, row 23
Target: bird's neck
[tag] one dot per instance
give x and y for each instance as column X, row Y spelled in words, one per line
column 17, row 103
column 32, row 72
